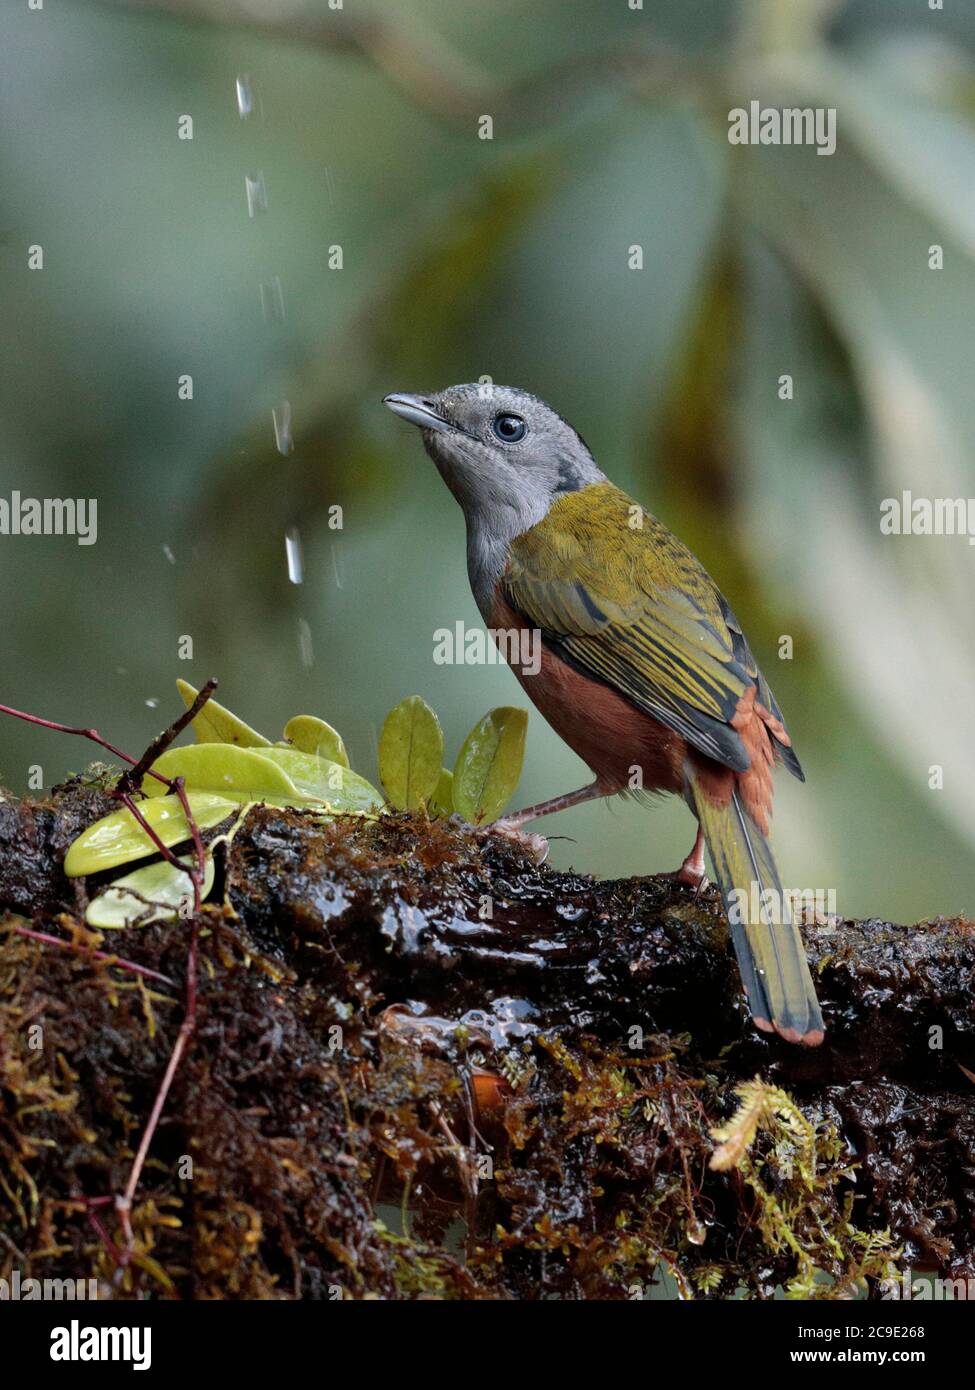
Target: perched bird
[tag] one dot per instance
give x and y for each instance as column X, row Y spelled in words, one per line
column 644, row 669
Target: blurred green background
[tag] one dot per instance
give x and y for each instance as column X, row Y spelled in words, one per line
column 508, row 258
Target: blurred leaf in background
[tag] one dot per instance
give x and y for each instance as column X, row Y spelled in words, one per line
column 400, row 251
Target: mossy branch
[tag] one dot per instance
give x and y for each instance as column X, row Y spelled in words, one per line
column 573, row 1077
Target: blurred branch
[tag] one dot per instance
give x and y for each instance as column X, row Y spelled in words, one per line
column 769, row 27
column 429, row 70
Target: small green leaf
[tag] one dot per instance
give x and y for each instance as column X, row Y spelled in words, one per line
column 224, row 769
column 442, row 801
column 489, row 764
column 310, row 735
column 151, row 894
column 410, row 753
column 324, row 780
column 119, row 838
column 214, row 724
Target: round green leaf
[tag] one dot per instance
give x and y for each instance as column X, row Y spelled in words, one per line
column 119, row 838
column 442, row 801
column 489, row 764
column 410, row 753
column 310, row 735
column 223, row 769
column 324, row 780
column 214, row 724
column 151, row 894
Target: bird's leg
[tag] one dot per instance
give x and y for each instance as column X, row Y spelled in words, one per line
column 548, row 808
column 537, row 845
column 692, row 869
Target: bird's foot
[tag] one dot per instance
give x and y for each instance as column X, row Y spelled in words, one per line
column 693, row 878
column 691, row 872
column 535, row 846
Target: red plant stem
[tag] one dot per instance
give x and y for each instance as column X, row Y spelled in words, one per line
column 93, row 734
column 196, row 872
column 86, row 951
column 199, row 857
column 164, row 850
column 124, row 1203
column 105, row 1238
column 132, row 781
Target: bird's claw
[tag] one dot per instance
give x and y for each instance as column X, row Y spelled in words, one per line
column 699, row 882
column 534, row 845
column 690, row 878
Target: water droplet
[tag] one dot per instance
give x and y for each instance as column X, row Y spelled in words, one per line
column 296, row 562
column 272, row 301
column 337, row 566
column 304, row 643
column 281, row 416
column 153, row 703
column 245, row 97
column 696, row 1231
column 256, row 194
column 169, row 554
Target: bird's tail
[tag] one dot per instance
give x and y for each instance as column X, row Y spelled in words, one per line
column 771, row 955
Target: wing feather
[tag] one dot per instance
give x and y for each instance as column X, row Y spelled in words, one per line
column 631, row 607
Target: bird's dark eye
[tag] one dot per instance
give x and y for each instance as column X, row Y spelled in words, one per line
column 509, row 428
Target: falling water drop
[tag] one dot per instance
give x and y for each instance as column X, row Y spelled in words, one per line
column 296, row 562
column 169, row 554
column 245, row 97
column 256, row 194
column 153, row 703
column 281, row 417
column 304, row 643
column 337, row 566
column 272, row 301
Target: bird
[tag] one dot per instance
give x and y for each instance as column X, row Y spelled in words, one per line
column 644, row 670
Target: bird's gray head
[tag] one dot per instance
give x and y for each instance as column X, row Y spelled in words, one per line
column 505, row 455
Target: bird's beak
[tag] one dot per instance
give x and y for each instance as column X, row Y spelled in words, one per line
column 416, row 410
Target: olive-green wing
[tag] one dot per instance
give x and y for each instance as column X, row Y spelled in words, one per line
column 625, row 602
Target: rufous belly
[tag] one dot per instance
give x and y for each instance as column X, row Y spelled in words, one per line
column 626, row 749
